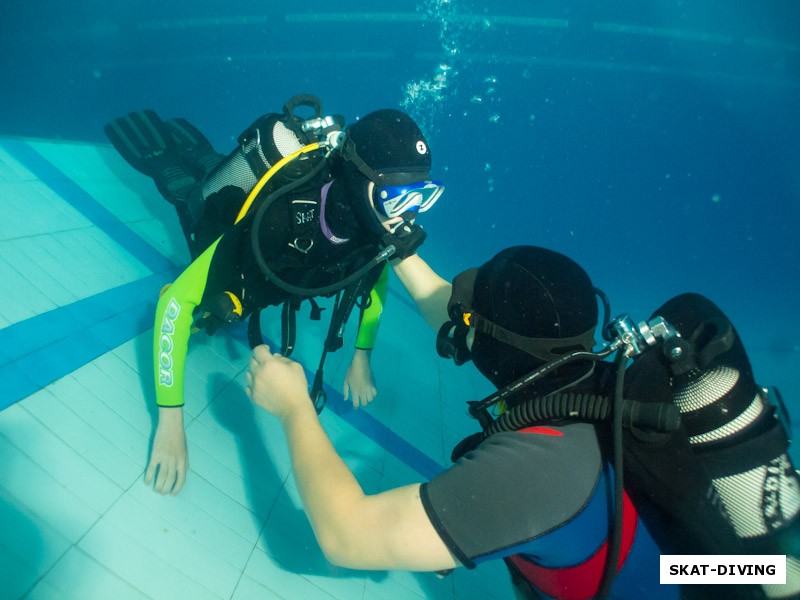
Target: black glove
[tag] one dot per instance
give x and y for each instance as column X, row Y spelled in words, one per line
column 406, row 239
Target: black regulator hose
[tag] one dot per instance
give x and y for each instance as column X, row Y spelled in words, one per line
column 594, row 408
column 606, row 314
column 477, row 409
column 615, row 534
column 284, row 285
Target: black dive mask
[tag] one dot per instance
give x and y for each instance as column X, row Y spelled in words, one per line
column 451, row 340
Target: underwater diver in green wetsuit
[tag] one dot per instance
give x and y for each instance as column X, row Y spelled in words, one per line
column 320, row 220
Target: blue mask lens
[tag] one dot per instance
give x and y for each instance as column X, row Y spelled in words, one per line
column 395, row 200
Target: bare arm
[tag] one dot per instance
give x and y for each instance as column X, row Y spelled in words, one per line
column 429, row 291
column 169, row 459
column 389, row 530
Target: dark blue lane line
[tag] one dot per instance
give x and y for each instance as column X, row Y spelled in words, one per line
column 380, row 434
column 79, row 199
column 40, row 350
column 365, row 423
column 36, row 333
column 44, row 348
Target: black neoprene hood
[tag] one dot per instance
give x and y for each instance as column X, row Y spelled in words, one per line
column 389, row 141
column 532, row 292
column 388, row 148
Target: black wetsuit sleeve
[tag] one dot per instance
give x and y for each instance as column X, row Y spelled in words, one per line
column 513, row 488
column 234, row 268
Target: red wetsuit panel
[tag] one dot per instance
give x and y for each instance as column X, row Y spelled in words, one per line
column 581, row 581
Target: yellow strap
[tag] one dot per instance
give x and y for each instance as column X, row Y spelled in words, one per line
column 237, row 304
column 268, row 175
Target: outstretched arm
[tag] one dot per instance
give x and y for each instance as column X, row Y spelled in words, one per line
column 429, row 291
column 389, row 530
column 168, row 457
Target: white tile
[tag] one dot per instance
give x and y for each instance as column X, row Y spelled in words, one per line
column 137, row 354
column 257, row 436
column 44, row 590
column 111, row 257
column 397, row 473
column 79, row 576
column 45, row 212
column 212, row 528
column 250, row 589
column 78, row 161
column 39, row 277
column 52, row 455
column 87, row 251
column 248, row 491
column 139, row 565
column 21, row 278
column 287, row 534
column 200, row 392
column 223, row 443
column 489, row 581
column 266, row 571
column 199, row 498
column 202, row 558
column 309, row 563
column 164, row 234
column 16, row 575
column 218, row 353
column 89, row 438
column 17, row 291
column 354, row 447
column 115, row 398
column 35, row 491
column 27, row 538
column 212, row 364
column 388, row 585
column 53, row 251
column 10, row 169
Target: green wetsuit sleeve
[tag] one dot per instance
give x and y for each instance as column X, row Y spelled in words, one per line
column 371, row 316
column 173, row 325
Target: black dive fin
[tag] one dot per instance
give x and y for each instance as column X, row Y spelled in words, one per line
column 147, row 144
column 197, row 153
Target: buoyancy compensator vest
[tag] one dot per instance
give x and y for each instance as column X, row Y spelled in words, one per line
column 284, row 158
column 276, row 150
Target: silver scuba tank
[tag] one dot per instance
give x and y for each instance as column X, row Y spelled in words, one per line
column 734, row 433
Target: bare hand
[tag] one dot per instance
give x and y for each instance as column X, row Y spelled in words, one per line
column 358, row 380
column 275, row 383
column 169, row 457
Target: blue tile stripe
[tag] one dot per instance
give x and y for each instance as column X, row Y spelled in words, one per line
column 364, row 422
column 383, row 436
column 44, row 348
column 79, row 199
column 40, row 350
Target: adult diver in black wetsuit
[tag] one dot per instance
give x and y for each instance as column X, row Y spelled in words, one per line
column 706, row 467
column 300, row 201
